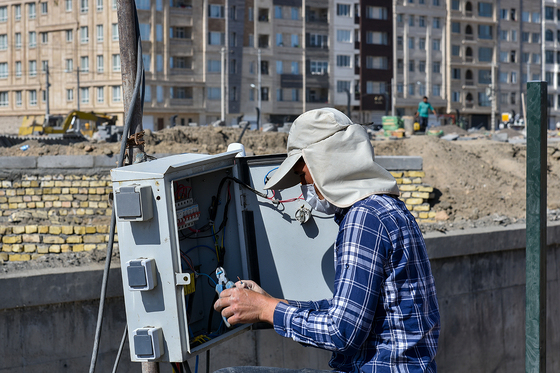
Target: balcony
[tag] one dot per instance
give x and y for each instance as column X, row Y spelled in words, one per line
column 291, row 81
column 469, row 82
column 263, row 15
column 317, row 15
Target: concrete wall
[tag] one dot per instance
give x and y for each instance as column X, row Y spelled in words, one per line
column 47, row 320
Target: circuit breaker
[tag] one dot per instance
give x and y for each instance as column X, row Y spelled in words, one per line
column 190, row 224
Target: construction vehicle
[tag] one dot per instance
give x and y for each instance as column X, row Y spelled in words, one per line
column 75, row 122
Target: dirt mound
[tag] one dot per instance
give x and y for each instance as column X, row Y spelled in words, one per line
column 449, row 129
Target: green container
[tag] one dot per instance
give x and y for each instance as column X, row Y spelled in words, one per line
column 391, row 124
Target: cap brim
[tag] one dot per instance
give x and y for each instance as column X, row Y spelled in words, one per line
column 284, row 177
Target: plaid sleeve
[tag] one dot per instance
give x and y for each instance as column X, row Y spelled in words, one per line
column 361, row 250
column 315, row 305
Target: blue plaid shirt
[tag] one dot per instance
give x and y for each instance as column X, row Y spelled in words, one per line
column 383, row 316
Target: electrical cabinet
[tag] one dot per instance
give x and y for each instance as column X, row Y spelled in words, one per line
column 186, row 220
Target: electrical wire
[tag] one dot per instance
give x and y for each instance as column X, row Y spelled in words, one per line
column 211, row 279
column 121, row 347
column 138, row 91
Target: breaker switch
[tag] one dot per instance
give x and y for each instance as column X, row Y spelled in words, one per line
column 141, row 274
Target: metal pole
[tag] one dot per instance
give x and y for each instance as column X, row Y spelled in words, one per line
column 223, row 87
column 78, row 83
column 392, row 97
column 47, row 114
column 129, row 58
column 493, row 98
column 259, row 88
column 535, row 307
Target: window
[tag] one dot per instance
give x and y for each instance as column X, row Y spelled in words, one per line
column 344, row 36
column 436, row 90
column 319, row 67
column 100, row 63
column 215, row 11
column 101, row 94
column 485, row 9
column 512, row 98
column 422, row 66
column 32, row 39
column 422, row 44
column 316, row 40
column 84, row 95
column 44, row 66
column 455, row 96
column 549, row 13
column 410, row 43
column 375, row 12
column 343, row 10
column 84, row 6
column 84, row 64
column 381, row 63
column 279, row 95
column 295, row 40
column 342, row 86
column 115, row 31
column 484, row 76
column 435, row 2
column 400, row 43
column 343, row 60
column 68, row 5
column 159, row 62
column 436, row 67
column 549, row 57
column 264, row 93
column 216, row 38
column 32, row 68
column 84, row 35
column 455, row 27
column 70, row 94
column 69, row 65
column 411, row 89
column 295, row 13
column 69, row 35
column 512, row 15
column 436, row 22
column 536, row 58
column 536, row 17
column 99, row 29
column 33, row 97
column 484, row 32
column 18, row 98
column 504, row 35
column 159, row 93
column 17, row 12
column 18, row 69
column 436, row 44
column 455, row 73
column 116, row 62
column 503, row 56
column 159, row 32
column 214, row 93
column 485, row 54
column 45, row 8
column 454, row 4
column 214, row 66
column 145, row 31
column 277, row 12
column 504, row 14
column 116, row 93
column 279, row 40
column 503, row 77
column 411, row 20
column 3, row 70
column 483, row 99
column 422, row 21
column 99, row 5
column 525, row 37
column 147, row 93
column 548, row 35
column 143, row 4
column 513, row 35
column 4, row 42
column 295, row 94
column 180, row 32
column 147, row 61
column 31, row 10
column 375, row 87
column 526, row 16
column 264, row 67
column 279, row 67
column 536, row 37
column 455, row 50
column 411, row 66
column 295, row 68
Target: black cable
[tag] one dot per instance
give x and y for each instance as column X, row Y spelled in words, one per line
column 138, row 91
column 121, row 347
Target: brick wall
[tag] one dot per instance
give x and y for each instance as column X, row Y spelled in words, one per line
column 416, row 194
column 53, row 214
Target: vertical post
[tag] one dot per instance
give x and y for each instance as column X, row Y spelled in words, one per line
column 392, row 97
column 47, row 114
column 535, row 307
column 223, row 86
column 78, row 86
column 129, row 57
column 493, row 98
column 259, row 87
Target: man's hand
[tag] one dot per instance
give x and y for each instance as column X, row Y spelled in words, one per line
column 246, row 303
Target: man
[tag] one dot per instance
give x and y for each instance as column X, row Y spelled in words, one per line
column 383, row 316
column 423, row 112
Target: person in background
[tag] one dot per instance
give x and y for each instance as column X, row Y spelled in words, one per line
column 423, row 113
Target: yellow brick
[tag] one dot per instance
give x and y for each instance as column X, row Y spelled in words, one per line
column 56, row 190
column 95, row 197
column 3, row 199
column 102, row 229
column 108, row 212
column 424, row 207
column 31, row 238
column 47, row 184
column 63, row 212
column 30, row 191
column 103, row 205
column 74, row 239
column 79, row 230
column 54, row 249
column 34, row 184
column 425, row 188
column 423, row 215
column 100, row 191
column 65, row 248
column 101, row 246
column 5, row 230
column 417, row 180
column 406, row 180
column 89, row 247
column 6, row 248
column 20, row 192
column 90, row 212
column 4, row 206
column 423, row 195
column 73, row 190
column 92, row 191
column 11, row 239
column 415, row 174
column 90, row 230
column 409, row 207
column 426, row 221
column 57, row 204
column 6, row 184
column 53, row 239
column 65, row 191
column 80, row 212
column 40, row 205
column 19, row 257
column 93, row 205
column 396, row 174
column 414, row 201
column 408, row 188
column 31, row 205
column 17, row 248
column 29, row 248
column 22, row 205
column 43, row 229
column 3, row 257
column 414, row 213
column 42, row 249
column 399, row 181
column 406, row 195
column 94, row 238
column 432, row 214
column 36, row 256
column 10, row 192
column 47, row 191
column 16, row 199
column 18, row 229
column 84, row 204
column 77, row 248
column 67, row 229
column 55, row 229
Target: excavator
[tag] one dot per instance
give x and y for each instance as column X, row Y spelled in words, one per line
column 76, row 122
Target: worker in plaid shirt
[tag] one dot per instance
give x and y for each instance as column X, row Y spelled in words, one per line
column 383, row 316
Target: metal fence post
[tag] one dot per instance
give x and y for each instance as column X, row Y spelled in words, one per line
column 535, row 302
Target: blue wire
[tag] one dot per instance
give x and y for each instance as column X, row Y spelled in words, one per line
column 197, row 246
column 211, row 279
column 268, row 173
column 196, row 365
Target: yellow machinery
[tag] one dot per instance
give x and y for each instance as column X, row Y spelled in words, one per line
column 76, row 121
